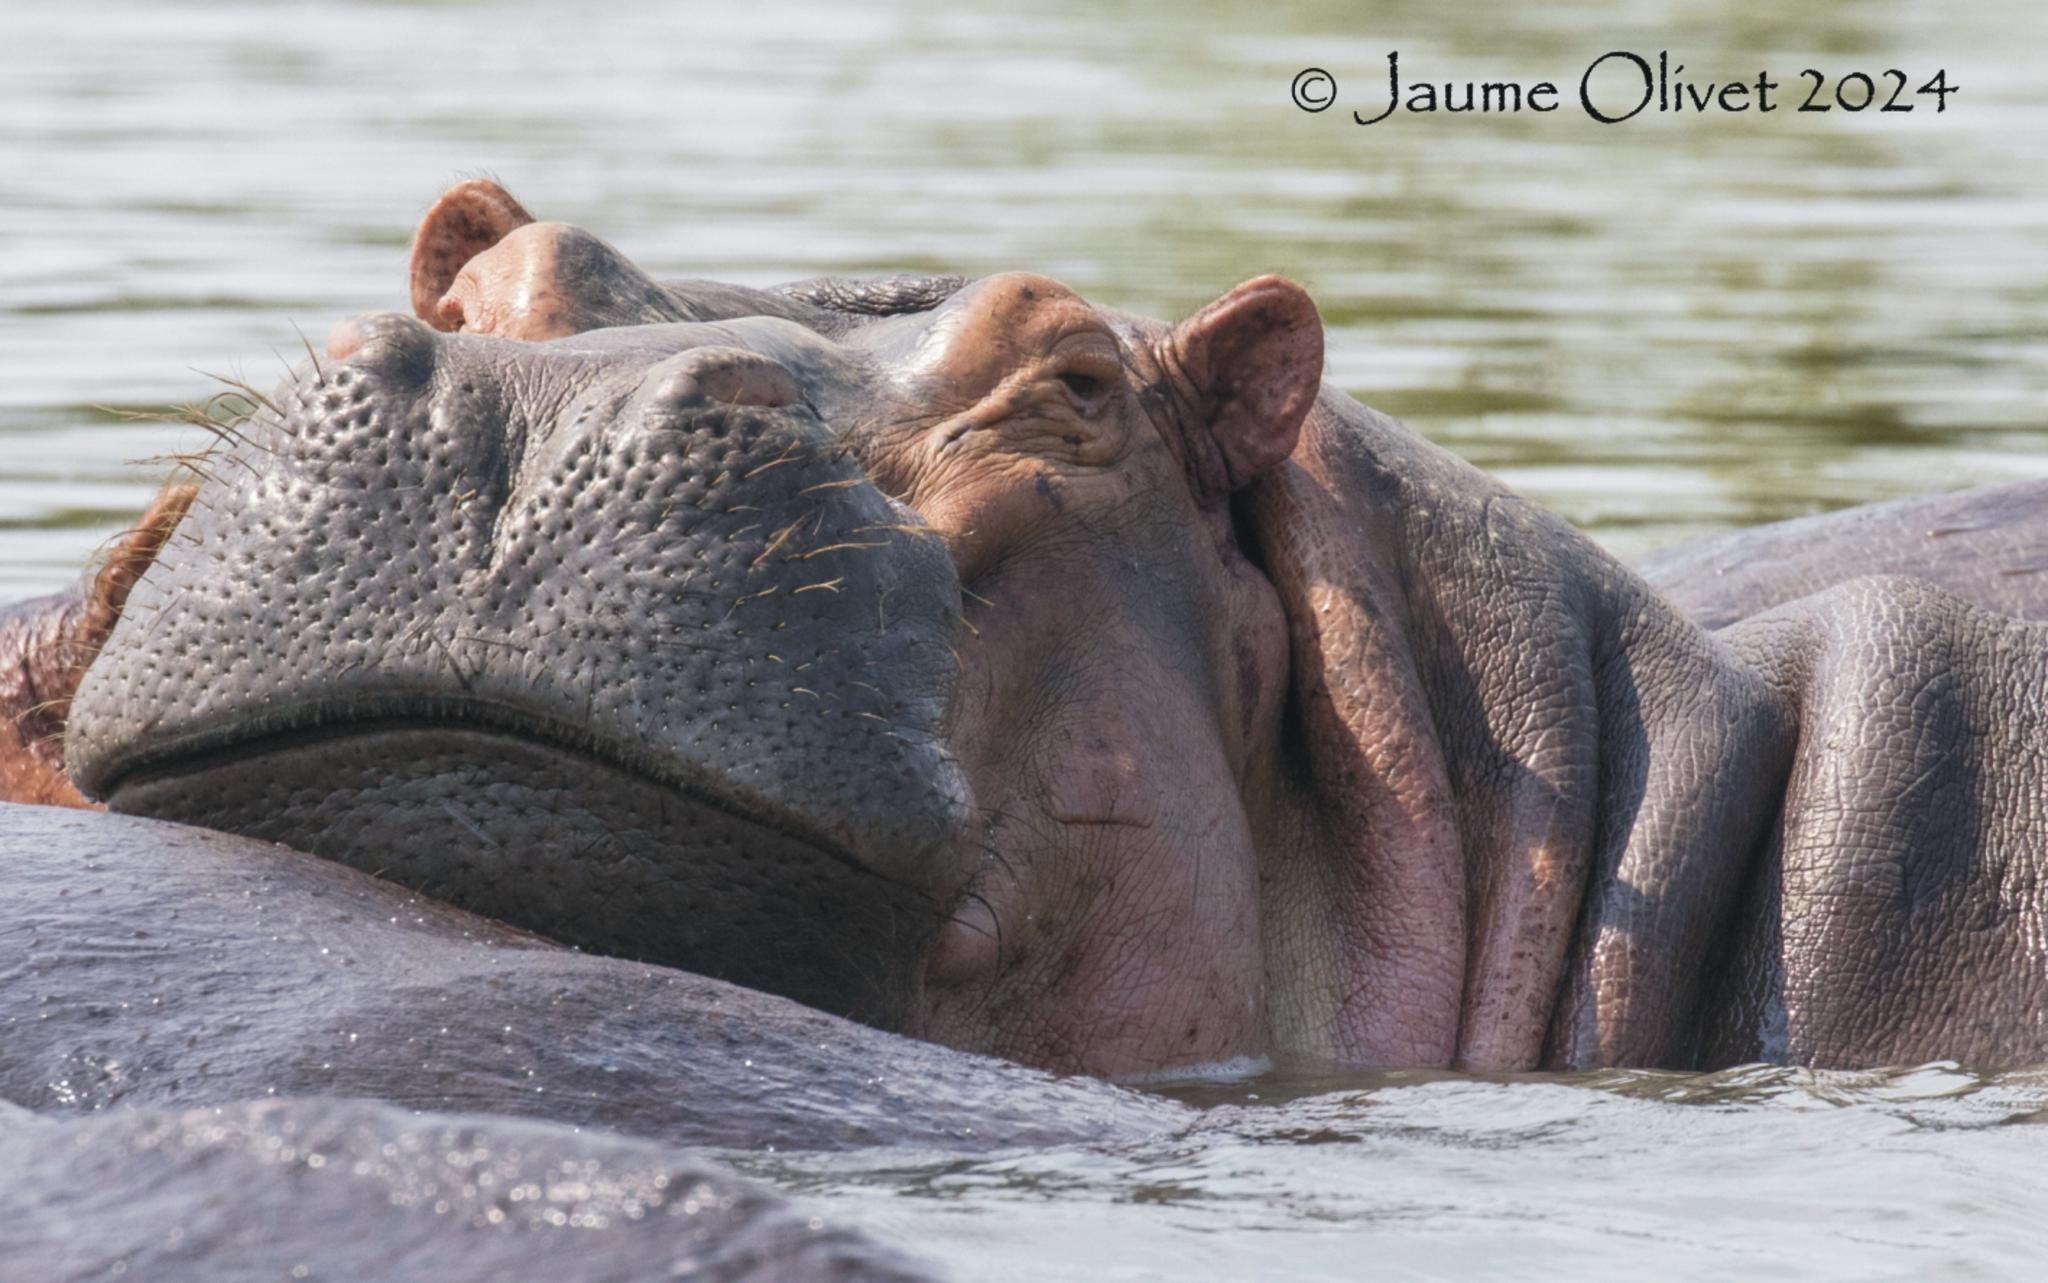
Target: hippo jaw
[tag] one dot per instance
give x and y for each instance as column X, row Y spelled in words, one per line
column 620, row 862
column 612, row 641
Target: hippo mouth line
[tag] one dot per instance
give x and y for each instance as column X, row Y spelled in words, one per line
column 553, row 830
column 203, row 752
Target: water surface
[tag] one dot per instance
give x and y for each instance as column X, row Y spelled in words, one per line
column 1661, row 328
column 1664, row 328
column 1926, row 1173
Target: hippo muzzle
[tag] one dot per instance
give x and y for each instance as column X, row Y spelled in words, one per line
column 610, row 637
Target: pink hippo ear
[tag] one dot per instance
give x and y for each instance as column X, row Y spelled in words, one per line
column 1254, row 361
column 469, row 218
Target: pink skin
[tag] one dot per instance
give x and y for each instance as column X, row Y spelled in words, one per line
column 1157, row 882
column 462, row 258
column 1171, row 879
column 45, row 646
column 1216, row 822
column 481, row 264
column 1115, row 702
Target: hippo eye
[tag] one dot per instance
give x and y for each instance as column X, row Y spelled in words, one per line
column 1084, row 386
column 1088, row 365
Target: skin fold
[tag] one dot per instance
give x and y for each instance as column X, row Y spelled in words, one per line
column 1096, row 693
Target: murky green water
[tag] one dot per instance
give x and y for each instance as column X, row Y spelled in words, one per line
column 1661, row 328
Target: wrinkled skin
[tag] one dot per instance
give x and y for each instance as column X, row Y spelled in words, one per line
column 1050, row 682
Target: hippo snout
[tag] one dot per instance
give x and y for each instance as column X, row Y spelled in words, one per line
column 614, row 641
column 709, row 376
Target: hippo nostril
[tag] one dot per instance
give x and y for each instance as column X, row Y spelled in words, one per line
column 763, row 384
column 723, row 376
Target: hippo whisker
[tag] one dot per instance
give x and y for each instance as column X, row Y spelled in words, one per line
column 206, row 416
column 920, row 532
column 843, row 484
column 737, row 602
column 776, row 541
column 319, row 375
column 788, row 456
column 836, row 547
column 189, row 462
column 244, row 388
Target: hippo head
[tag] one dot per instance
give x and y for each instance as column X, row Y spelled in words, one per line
column 888, row 646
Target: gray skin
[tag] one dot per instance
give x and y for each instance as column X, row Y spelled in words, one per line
column 1988, row 547
column 518, row 703
column 1050, row 682
column 162, row 977
column 158, row 965
column 346, row 1190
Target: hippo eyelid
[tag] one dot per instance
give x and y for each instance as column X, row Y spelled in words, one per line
column 1089, row 364
column 1091, row 351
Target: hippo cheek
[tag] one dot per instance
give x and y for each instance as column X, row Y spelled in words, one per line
column 614, row 642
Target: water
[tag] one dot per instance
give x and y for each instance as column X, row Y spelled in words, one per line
column 1751, row 1173
column 1664, row 328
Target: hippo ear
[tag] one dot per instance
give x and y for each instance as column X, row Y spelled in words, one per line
column 1254, row 360
column 468, row 219
column 45, row 646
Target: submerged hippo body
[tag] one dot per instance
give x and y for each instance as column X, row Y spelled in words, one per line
column 1988, row 547
column 1053, row 683
column 329, row 1189
column 159, row 965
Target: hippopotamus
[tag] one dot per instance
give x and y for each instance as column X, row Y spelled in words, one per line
column 1001, row 670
